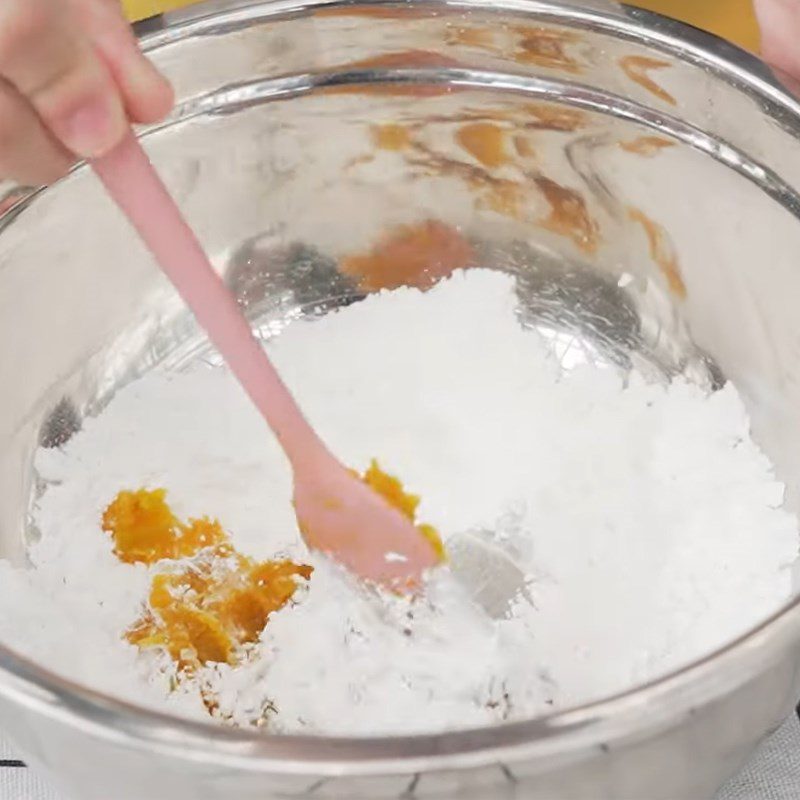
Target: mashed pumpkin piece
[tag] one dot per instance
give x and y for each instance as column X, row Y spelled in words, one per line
column 145, row 530
column 207, row 609
column 391, row 489
column 206, row 601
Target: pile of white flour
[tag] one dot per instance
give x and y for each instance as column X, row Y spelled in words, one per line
column 649, row 522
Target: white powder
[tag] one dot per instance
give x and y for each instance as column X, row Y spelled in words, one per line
column 648, row 520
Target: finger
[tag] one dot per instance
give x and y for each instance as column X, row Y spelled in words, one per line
column 147, row 94
column 52, row 63
column 780, row 33
column 28, row 152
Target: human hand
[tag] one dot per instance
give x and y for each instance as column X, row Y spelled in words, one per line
column 780, row 34
column 72, row 78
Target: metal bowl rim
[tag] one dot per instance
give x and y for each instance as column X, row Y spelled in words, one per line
column 595, row 724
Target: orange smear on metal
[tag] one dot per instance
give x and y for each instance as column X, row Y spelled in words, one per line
column 485, row 142
column 504, row 197
column 471, row 37
column 391, row 136
column 206, row 607
column 546, row 47
column 417, row 255
column 637, row 68
column 524, row 147
column 406, row 58
column 661, row 251
column 391, row 489
column 646, row 145
column 569, row 215
column 555, row 118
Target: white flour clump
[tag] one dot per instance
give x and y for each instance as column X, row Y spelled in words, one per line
column 648, row 521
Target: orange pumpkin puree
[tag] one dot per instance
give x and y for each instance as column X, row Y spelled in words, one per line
column 208, row 605
column 208, row 609
column 145, row 530
column 417, row 255
column 207, row 601
column 485, row 142
column 392, row 491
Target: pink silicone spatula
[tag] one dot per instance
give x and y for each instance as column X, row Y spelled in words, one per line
column 336, row 512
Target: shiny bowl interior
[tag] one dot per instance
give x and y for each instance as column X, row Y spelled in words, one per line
column 647, row 205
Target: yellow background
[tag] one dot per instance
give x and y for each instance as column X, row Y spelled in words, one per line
column 732, row 19
column 139, row 9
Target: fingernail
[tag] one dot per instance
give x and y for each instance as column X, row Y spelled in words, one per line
column 94, row 127
column 154, row 92
column 144, row 74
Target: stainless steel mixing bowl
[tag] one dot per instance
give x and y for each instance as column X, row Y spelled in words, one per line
column 638, row 177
